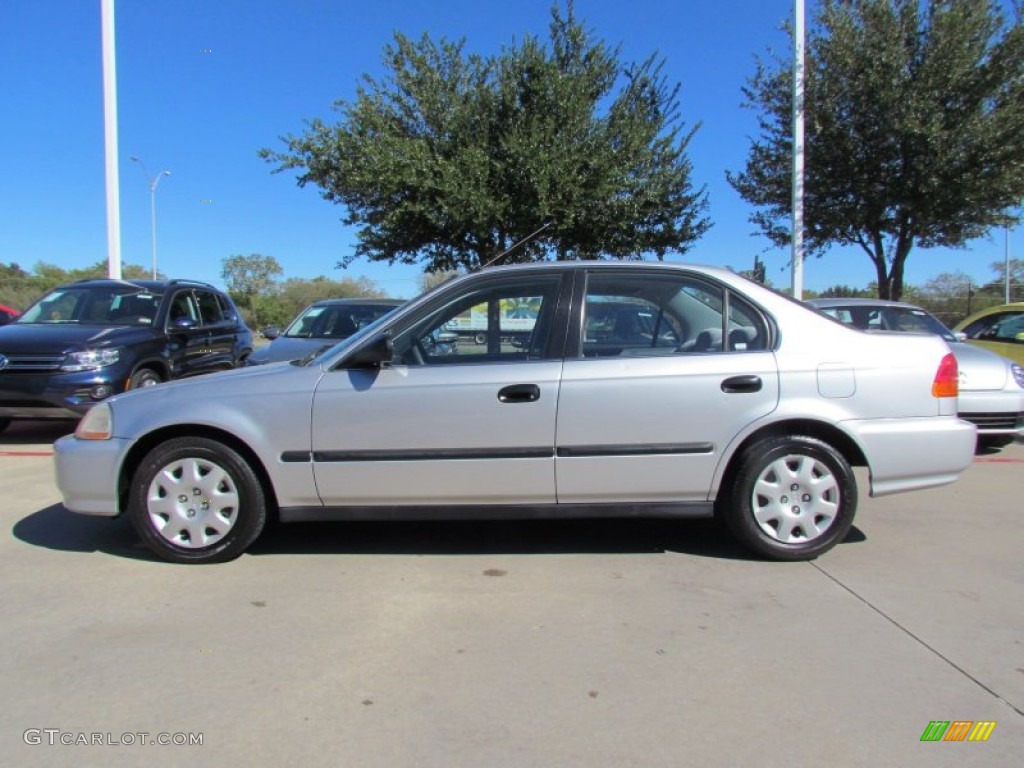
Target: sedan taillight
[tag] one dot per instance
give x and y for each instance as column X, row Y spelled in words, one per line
column 947, row 378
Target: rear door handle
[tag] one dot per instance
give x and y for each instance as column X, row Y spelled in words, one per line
column 736, row 384
column 519, row 393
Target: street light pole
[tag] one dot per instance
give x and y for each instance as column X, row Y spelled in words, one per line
column 153, row 183
column 797, row 243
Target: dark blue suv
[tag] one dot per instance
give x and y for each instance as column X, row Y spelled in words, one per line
column 88, row 340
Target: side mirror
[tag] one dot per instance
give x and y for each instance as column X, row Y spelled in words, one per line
column 379, row 350
column 271, row 332
column 184, row 323
column 960, row 335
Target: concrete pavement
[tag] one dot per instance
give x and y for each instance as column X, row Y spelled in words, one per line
column 607, row 643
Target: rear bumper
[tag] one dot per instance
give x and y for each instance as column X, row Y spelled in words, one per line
column 910, row 454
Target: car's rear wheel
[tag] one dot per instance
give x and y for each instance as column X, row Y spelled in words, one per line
column 144, row 377
column 793, row 498
column 195, row 500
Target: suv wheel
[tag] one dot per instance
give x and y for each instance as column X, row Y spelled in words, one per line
column 793, row 498
column 144, row 377
column 195, row 500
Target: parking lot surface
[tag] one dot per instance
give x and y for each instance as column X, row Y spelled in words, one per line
column 563, row 644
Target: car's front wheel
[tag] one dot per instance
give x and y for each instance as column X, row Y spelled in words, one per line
column 144, row 377
column 195, row 500
column 793, row 498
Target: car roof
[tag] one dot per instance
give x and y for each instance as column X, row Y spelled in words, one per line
column 150, row 285
column 858, row 302
column 361, row 300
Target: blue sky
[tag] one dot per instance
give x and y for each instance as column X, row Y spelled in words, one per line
column 204, row 84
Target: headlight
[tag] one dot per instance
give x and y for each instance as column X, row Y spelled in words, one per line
column 90, row 359
column 1018, row 374
column 97, row 424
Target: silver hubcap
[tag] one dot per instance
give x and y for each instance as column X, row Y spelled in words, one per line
column 192, row 503
column 796, row 499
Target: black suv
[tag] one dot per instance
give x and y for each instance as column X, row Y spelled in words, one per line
column 88, row 340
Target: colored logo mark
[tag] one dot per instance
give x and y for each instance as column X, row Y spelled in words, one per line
column 958, row 730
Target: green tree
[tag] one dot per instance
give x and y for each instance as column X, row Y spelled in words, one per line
column 249, row 278
column 293, row 295
column 915, row 130
column 453, row 158
column 19, row 288
column 997, row 285
column 430, row 280
column 844, row 292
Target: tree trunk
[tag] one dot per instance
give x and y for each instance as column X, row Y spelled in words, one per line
column 899, row 262
column 878, row 258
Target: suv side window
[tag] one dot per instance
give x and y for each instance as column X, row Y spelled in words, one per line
column 227, row 311
column 209, row 308
column 183, row 307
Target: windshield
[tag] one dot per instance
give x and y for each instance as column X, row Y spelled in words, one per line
column 122, row 304
column 885, row 318
column 329, row 349
column 335, row 321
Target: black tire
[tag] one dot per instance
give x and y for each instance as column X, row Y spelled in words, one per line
column 144, row 377
column 992, row 442
column 195, row 500
column 793, row 498
column 4, row 424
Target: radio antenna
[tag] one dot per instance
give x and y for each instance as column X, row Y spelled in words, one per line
column 512, row 247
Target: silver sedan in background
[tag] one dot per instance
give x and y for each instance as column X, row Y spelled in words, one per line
column 320, row 325
column 600, row 389
column 991, row 386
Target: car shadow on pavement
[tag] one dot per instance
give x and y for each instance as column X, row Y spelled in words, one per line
column 56, row 528
column 698, row 537
column 35, row 432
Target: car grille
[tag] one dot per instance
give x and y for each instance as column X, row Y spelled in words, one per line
column 32, row 363
column 995, row 420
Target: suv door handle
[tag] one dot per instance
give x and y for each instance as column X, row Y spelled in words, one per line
column 736, row 384
column 519, row 393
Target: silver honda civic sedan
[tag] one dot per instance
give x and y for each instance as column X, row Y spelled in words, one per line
column 586, row 390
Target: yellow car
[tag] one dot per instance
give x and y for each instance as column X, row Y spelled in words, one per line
column 1000, row 329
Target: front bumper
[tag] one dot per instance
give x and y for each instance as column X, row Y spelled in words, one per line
column 87, row 472
column 994, row 413
column 57, row 395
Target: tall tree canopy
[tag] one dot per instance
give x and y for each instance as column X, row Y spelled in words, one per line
column 915, row 130
column 454, row 157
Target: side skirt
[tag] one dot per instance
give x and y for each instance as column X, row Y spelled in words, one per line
column 693, row 509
